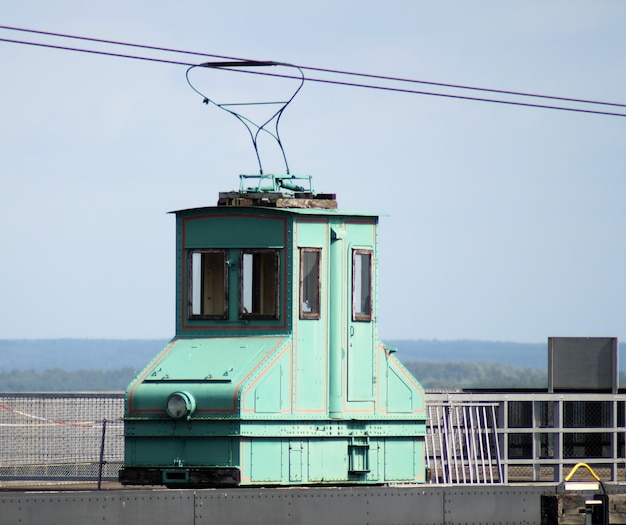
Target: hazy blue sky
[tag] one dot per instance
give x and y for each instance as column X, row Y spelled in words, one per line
column 502, row 223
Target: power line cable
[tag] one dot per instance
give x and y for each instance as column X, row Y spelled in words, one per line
column 473, row 88
column 319, row 69
column 117, row 43
column 95, row 52
column 445, row 95
column 328, row 81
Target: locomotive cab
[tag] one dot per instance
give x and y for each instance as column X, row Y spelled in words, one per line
column 275, row 375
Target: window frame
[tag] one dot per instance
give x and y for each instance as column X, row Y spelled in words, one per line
column 190, row 284
column 244, row 315
column 358, row 314
column 313, row 314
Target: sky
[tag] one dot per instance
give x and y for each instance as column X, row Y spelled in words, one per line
column 497, row 222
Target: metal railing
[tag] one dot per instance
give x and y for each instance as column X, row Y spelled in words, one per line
column 471, row 437
column 461, row 443
column 524, row 436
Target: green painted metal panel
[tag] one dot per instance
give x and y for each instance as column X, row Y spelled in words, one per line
column 311, row 349
column 310, row 381
column 183, row 428
column 403, row 389
column 268, row 394
column 211, row 370
column 297, row 452
column 266, row 463
column 187, row 451
column 328, row 460
column 374, row 458
column 361, row 371
column 399, row 394
column 150, row 398
column 292, row 426
column 231, row 231
column 400, row 459
column 361, row 232
column 209, row 360
column 311, row 232
column 362, row 331
column 419, row 463
column 337, row 315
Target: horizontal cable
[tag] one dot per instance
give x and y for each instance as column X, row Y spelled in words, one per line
column 319, row 69
column 429, row 93
column 311, row 79
column 93, row 51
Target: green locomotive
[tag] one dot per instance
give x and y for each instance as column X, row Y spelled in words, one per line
column 275, row 375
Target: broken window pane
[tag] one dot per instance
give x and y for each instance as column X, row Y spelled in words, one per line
column 310, row 259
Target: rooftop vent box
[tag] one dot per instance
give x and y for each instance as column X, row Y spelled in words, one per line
column 582, row 364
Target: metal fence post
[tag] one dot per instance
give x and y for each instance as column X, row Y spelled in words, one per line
column 102, row 462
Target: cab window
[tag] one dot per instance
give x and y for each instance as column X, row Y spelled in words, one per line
column 208, row 284
column 310, row 260
column 259, row 284
column 362, row 285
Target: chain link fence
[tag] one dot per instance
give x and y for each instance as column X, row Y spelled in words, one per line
column 61, row 436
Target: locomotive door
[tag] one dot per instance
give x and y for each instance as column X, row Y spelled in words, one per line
column 360, row 323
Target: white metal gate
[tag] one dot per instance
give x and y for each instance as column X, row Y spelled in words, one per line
column 462, row 443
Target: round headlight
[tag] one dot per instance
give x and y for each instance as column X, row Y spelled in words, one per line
column 180, row 404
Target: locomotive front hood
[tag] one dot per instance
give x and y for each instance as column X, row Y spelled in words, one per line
column 210, row 375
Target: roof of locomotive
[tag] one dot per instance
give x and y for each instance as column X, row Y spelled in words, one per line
column 293, row 203
column 292, row 211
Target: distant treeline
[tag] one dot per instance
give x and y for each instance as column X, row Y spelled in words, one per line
column 521, row 355
column 431, row 375
column 58, row 380
column 450, row 375
column 108, row 354
column 62, row 365
column 77, row 354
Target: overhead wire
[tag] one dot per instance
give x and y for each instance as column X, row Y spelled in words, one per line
column 95, row 52
column 323, row 70
column 319, row 69
column 118, row 43
column 445, row 95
